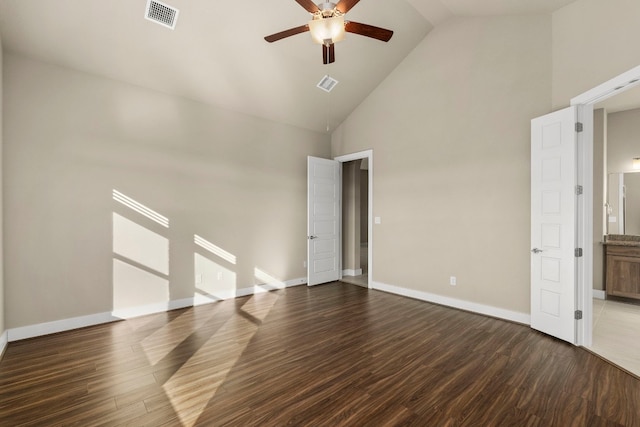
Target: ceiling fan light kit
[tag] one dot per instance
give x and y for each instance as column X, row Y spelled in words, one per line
column 327, row 30
column 328, row 26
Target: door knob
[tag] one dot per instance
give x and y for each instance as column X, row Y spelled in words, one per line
column 536, row 250
column 312, row 237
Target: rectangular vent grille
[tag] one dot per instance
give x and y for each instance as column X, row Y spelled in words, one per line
column 327, row 83
column 161, row 13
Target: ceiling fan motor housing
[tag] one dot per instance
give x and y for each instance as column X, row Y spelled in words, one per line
column 327, row 9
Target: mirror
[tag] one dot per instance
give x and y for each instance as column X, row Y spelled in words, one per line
column 623, row 203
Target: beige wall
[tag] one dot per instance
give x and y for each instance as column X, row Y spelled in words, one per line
column 450, row 129
column 593, row 41
column 2, row 308
column 599, row 194
column 623, row 140
column 72, row 138
column 351, row 215
column 364, row 206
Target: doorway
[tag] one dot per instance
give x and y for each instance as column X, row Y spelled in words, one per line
column 586, row 218
column 616, row 315
column 357, row 224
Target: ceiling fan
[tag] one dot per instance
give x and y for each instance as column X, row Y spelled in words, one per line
column 328, row 26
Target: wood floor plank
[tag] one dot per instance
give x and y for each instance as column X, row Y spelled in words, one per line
column 330, row 355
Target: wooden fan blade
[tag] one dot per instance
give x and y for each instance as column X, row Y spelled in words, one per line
column 345, row 6
column 368, row 31
column 328, row 53
column 287, row 33
column 308, row 5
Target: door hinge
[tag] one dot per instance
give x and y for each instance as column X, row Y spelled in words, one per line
column 578, row 252
column 577, row 314
column 579, row 127
column 579, row 190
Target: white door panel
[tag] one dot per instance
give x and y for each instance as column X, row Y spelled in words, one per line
column 323, row 223
column 553, row 223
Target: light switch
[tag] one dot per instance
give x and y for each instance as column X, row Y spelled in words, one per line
column 376, row 220
column 613, row 219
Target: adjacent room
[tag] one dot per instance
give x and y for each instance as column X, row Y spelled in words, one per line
column 617, row 219
column 299, row 213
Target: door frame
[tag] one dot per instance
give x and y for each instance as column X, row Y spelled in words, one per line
column 584, row 223
column 367, row 154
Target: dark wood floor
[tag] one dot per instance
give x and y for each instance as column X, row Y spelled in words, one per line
column 331, row 355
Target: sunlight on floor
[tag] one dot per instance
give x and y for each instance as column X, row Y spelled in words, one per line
column 164, row 340
column 141, row 277
column 191, row 388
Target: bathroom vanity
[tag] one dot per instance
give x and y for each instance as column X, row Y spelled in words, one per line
column 622, row 266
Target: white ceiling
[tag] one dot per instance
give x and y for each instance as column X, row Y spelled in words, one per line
column 217, row 54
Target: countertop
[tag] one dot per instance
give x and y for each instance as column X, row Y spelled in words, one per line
column 622, row 240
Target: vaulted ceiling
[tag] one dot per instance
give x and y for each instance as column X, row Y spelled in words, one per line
column 217, row 53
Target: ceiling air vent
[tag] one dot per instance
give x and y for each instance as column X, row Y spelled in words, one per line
column 327, row 83
column 161, row 13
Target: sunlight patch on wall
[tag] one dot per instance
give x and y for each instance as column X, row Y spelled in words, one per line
column 140, row 208
column 134, row 287
column 214, row 249
column 213, row 282
column 139, row 244
column 140, row 264
column 266, row 282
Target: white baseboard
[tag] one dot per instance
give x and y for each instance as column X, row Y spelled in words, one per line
column 598, row 294
column 352, row 272
column 56, row 326
column 487, row 310
column 273, row 286
column 4, row 340
column 31, row 331
column 143, row 310
column 200, row 299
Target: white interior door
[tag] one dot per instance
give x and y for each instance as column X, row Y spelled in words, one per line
column 553, row 223
column 323, row 220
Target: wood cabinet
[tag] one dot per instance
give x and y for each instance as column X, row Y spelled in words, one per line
column 623, row 271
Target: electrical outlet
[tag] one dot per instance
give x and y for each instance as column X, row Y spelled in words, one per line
column 198, row 279
column 304, row 264
column 453, row 281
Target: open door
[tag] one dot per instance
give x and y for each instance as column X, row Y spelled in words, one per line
column 323, row 220
column 553, row 223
